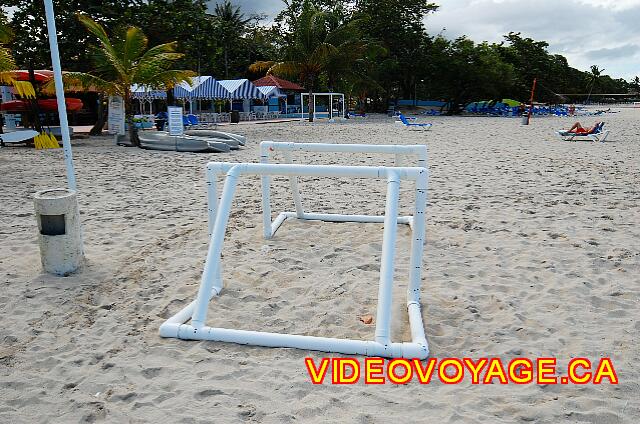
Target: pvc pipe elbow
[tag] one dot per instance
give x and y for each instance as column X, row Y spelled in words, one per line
column 169, row 329
column 415, row 350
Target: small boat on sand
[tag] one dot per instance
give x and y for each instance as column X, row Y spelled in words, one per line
column 163, row 141
column 232, row 139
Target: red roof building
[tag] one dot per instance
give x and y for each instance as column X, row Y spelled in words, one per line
column 282, row 84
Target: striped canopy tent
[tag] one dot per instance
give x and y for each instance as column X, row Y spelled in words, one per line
column 271, row 91
column 240, row 89
column 186, row 90
column 210, row 89
column 141, row 92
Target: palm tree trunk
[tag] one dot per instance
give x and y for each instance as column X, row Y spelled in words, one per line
column 102, row 117
column 226, row 62
column 133, row 131
column 310, row 99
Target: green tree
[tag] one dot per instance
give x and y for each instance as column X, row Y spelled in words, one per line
column 231, row 24
column 31, row 45
column 593, row 79
column 473, row 72
column 635, row 85
column 7, row 63
column 399, row 27
column 310, row 50
column 124, row 60
column 185, row 21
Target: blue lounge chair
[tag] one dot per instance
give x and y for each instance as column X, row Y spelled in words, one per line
column 410, row 125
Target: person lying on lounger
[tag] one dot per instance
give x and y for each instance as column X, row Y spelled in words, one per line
column 579, row 129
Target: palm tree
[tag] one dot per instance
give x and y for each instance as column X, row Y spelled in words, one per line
column 592, row 78
column 8, row 66
column 231, row 25
column 635, row 83
column 315, row 48
column 7, row 63
column 124, row 60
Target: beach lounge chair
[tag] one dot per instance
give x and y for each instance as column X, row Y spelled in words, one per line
column 598, row 134
column 410, row 125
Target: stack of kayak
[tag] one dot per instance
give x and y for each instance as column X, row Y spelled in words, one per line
column 192, row 141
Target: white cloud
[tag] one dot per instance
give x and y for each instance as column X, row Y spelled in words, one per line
column 587, row 32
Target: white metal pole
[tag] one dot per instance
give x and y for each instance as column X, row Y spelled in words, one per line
column 62, row 107
column 314, row 106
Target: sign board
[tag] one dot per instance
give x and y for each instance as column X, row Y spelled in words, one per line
column 116, row 115
column 176, row 127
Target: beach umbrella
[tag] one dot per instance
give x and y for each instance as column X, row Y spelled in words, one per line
column 511, row 102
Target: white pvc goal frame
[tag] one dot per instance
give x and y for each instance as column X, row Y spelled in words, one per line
column 266, row 147
column 211, row 283
column 314, row 95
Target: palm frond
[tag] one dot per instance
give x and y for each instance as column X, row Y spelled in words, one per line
column 108, row 50
column 261, row 66
column 167, row 79
column 79, row 81
column 135, row 43
column 287, row 69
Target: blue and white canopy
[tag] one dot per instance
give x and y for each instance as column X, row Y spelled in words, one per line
column 209, row 89
column 240, row 89
column 141, row 92
column 185, row 90
column 269, row 91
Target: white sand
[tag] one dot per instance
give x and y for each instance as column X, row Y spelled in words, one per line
column 532, row 250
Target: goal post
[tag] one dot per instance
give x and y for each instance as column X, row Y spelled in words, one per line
column 190, row 322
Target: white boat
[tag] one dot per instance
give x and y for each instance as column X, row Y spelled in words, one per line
column 17, row 136
column 232, row 139
column 163, row 141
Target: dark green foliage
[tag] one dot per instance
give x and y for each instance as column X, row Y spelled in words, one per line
column 384, row 53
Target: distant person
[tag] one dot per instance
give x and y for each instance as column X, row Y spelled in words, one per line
column 579, row 129
column 572, row 110
column 521, row 109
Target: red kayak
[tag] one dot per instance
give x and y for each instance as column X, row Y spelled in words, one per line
column 45, row 105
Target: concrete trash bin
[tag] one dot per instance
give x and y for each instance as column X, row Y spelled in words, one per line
column 59, row 235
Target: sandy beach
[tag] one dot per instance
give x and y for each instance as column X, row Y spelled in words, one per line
column 533, row 249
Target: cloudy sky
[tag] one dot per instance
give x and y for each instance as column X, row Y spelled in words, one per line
column 588, row 32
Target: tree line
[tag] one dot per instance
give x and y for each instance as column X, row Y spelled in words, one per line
column 373, row 50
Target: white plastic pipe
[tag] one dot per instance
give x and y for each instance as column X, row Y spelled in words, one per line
column 212, row 263
column 383, row 321
column 293, row 182
column 211, row 284
column 404, row 173
column 62, row 106
column 212, row 199
column 265, row 182
column 417, row 238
